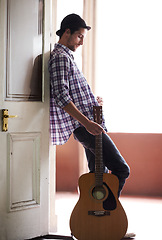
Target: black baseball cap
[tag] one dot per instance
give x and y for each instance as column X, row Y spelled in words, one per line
column 72, row 21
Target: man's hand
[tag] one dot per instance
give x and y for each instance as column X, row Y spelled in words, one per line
column 94, row 128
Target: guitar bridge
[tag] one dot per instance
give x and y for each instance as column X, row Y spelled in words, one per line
column 99, row 213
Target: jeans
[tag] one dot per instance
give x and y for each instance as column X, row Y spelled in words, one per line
column 112, row 159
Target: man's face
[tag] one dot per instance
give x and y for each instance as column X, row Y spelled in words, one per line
column 76, row 39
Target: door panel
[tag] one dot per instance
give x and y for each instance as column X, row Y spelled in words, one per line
column 24, row 150
column 24, row 50
column 24, row 170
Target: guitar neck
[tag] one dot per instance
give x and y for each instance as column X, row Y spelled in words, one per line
column 98, row 160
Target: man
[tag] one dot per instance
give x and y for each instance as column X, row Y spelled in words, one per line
column 72, row 101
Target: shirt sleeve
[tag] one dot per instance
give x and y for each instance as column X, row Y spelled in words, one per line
column 59, row 68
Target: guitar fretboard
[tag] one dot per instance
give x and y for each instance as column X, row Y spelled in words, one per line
column 98, row 160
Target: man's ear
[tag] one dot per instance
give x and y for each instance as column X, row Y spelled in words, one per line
column 67, row 31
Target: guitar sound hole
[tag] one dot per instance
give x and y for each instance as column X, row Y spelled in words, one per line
column 98, row 193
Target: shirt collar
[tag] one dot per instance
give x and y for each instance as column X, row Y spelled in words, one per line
column 67, row 50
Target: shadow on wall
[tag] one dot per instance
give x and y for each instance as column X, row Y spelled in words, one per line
column 67, row 166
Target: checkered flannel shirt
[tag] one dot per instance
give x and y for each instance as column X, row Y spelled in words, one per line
column 67, row 83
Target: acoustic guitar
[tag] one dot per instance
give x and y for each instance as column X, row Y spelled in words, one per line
column 98, row 214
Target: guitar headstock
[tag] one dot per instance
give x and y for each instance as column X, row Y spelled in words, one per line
column 97, row 114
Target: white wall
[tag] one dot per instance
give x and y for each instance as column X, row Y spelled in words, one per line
column 129, row 64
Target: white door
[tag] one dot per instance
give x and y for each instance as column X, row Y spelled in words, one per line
column 24, row 146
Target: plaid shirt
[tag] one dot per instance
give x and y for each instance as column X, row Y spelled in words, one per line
column 67, row 84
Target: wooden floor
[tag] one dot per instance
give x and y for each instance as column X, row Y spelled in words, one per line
column 144, row 216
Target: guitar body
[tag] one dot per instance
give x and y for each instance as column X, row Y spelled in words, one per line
column 98, row 216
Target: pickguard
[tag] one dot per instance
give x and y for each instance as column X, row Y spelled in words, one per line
column 110, row 202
